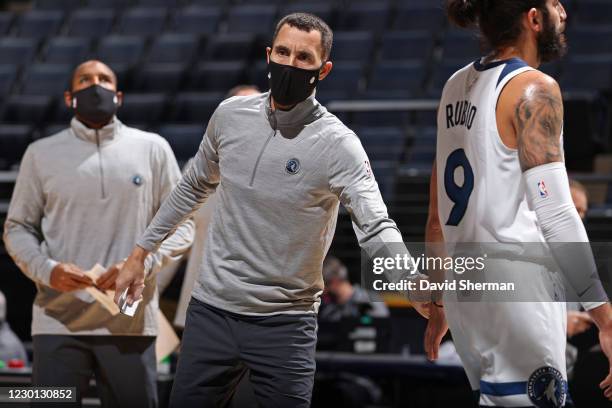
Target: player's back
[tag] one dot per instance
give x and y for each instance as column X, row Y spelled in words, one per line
column 481, row 195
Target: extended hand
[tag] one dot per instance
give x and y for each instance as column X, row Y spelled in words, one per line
column 68, row 277
column 107, row 280
column 131, row 276
column 605, row 339
column 436, row 329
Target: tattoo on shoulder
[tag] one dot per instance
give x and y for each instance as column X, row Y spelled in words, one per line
column 539, row 117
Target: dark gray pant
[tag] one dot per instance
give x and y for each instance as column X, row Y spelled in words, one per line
column 219, row 348
column 124, row 366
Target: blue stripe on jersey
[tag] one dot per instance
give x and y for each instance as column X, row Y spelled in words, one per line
column 513, row 65
column 503, row 389
column 479, row 66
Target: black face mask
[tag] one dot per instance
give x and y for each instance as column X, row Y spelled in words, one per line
column 95, row 104
column 290, row 85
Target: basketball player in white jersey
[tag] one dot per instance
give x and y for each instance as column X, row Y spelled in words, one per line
column 500, row 125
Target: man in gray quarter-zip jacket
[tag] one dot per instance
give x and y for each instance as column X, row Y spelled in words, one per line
column 280, row 164
column 83, row 197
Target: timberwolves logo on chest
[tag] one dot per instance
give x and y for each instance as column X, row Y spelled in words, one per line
column 137, row 180
column 546, row 388
column 292, row 166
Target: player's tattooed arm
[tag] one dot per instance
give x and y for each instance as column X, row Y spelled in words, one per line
column 538, row 120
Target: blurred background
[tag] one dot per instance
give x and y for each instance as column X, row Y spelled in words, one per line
column 177, row 59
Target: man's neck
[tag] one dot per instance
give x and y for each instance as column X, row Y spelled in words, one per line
column 275, row 105
column 96, row 126
column 525, row 50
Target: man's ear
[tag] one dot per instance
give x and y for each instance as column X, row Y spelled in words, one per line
column 327, row 67
column 268, row 51
column 119, row 98
column 68, row 99
column 535, row 20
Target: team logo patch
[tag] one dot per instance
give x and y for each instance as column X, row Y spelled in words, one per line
column 547, row 388
column 542, row 189
column 292, row 166
column 137, row 180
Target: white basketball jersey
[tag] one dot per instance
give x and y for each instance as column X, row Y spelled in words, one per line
column 481, row 194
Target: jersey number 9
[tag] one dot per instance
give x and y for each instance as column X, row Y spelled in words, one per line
column 460, row 195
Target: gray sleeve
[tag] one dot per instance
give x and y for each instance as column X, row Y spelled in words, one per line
column 352, row 181
column 179, row 242
column 198, row 182
column 23, row 236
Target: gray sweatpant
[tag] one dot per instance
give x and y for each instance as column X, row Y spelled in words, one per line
column 124, row 366
column 219, row 348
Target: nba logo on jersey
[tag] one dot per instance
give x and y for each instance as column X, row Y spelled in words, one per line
column 542, row 188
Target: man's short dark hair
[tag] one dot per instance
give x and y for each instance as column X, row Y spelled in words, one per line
column 308, row 22
column 333, row 268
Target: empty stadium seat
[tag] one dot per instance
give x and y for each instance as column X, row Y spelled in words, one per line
column 46, row 79
column 8, row 73
column 251, row 19
column 6, row 20
column 587, row 40
column 197, row 20
column 142, row 108
column 402, row 45
column 194, row 107
column 107, row 4
column 592, row 12
column 352, row 46
column 120, row 49
column 461, row 44
column 323, row 10
column 68, row 50
column 219, row 3
column 30, row 109
column 587, row 73
column 164, row 77
column 143, row 21
column 58, row 4
column 372, row 16
column 14, row 140
column 419, row 17
column 173, row 48
column 159, row 3
column 217, row 76
column 183, row 138
column 229, row 47
column 39, row 24
column 17, row 50
column 91, row 23
column 345, row 76
column 382, row 143
column 396, row 79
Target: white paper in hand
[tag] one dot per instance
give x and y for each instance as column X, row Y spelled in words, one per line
column 125, row 308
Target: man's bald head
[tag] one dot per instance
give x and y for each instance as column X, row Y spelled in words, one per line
column 92, row 72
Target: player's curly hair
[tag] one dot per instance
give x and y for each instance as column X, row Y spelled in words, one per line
column 499, row 21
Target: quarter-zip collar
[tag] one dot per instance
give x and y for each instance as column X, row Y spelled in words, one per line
column 301, row 115
column 102, row 136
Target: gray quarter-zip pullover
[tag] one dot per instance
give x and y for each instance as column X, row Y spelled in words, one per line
column 84, row 196
column 279, row 178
